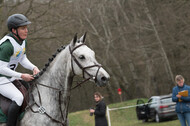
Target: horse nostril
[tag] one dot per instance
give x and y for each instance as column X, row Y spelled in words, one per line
column 103, row 79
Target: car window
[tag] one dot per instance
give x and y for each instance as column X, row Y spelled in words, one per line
column 166, row 100
column 150, row 100
column 153, row 101
column 140, row 102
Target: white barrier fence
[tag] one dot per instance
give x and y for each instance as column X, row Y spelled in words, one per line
column 112, row 109
column 126, row 107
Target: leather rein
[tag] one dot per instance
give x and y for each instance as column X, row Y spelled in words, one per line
column 41, row 109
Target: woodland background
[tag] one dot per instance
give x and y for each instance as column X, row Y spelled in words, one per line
column 143, row 44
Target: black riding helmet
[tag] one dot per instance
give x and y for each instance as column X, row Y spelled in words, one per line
column 15, row 21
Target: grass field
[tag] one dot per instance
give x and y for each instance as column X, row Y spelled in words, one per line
column 124, row 117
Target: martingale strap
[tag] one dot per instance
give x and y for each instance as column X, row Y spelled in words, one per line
column 41, row 109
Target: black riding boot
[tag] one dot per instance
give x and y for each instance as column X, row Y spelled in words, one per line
column 13, row 113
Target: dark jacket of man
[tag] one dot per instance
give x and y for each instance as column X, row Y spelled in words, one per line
column 100, row 114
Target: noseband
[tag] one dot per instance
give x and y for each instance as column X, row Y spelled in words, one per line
column 84, row 69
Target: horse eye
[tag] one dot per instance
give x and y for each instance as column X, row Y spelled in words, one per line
column 81, row 57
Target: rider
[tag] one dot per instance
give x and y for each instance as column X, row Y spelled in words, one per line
column 12, row 52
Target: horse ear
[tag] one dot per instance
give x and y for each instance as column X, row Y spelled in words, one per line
column 74, row 40
column 82, row 39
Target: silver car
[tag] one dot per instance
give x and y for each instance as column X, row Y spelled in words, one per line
column 157, row 108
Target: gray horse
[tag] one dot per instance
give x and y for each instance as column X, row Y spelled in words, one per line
column 52, row 90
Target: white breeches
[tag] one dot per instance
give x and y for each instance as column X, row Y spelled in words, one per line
column 8, row 89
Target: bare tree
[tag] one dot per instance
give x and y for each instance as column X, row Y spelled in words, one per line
column 142, row 44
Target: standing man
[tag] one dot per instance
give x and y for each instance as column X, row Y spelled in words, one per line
column 12, row 52
column 182, row 103
column 100, row 110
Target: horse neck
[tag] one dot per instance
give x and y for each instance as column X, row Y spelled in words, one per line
column 58, row 75
column 59, row 71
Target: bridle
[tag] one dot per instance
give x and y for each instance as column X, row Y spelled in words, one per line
column 84, row 71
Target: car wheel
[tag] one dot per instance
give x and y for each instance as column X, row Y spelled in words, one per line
column 157, row 118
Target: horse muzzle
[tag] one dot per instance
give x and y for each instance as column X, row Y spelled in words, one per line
column 102, row 79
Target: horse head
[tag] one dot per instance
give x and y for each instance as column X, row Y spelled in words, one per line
column 83, row 62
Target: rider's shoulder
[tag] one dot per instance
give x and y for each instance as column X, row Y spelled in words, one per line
column 6, row 44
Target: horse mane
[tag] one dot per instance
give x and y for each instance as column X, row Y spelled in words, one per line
column 49, row 61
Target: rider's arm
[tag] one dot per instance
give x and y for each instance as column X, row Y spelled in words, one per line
column 6, row 51
column 4, row 70
column 26, row 63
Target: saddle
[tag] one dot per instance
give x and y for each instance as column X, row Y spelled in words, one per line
column 5, row 102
